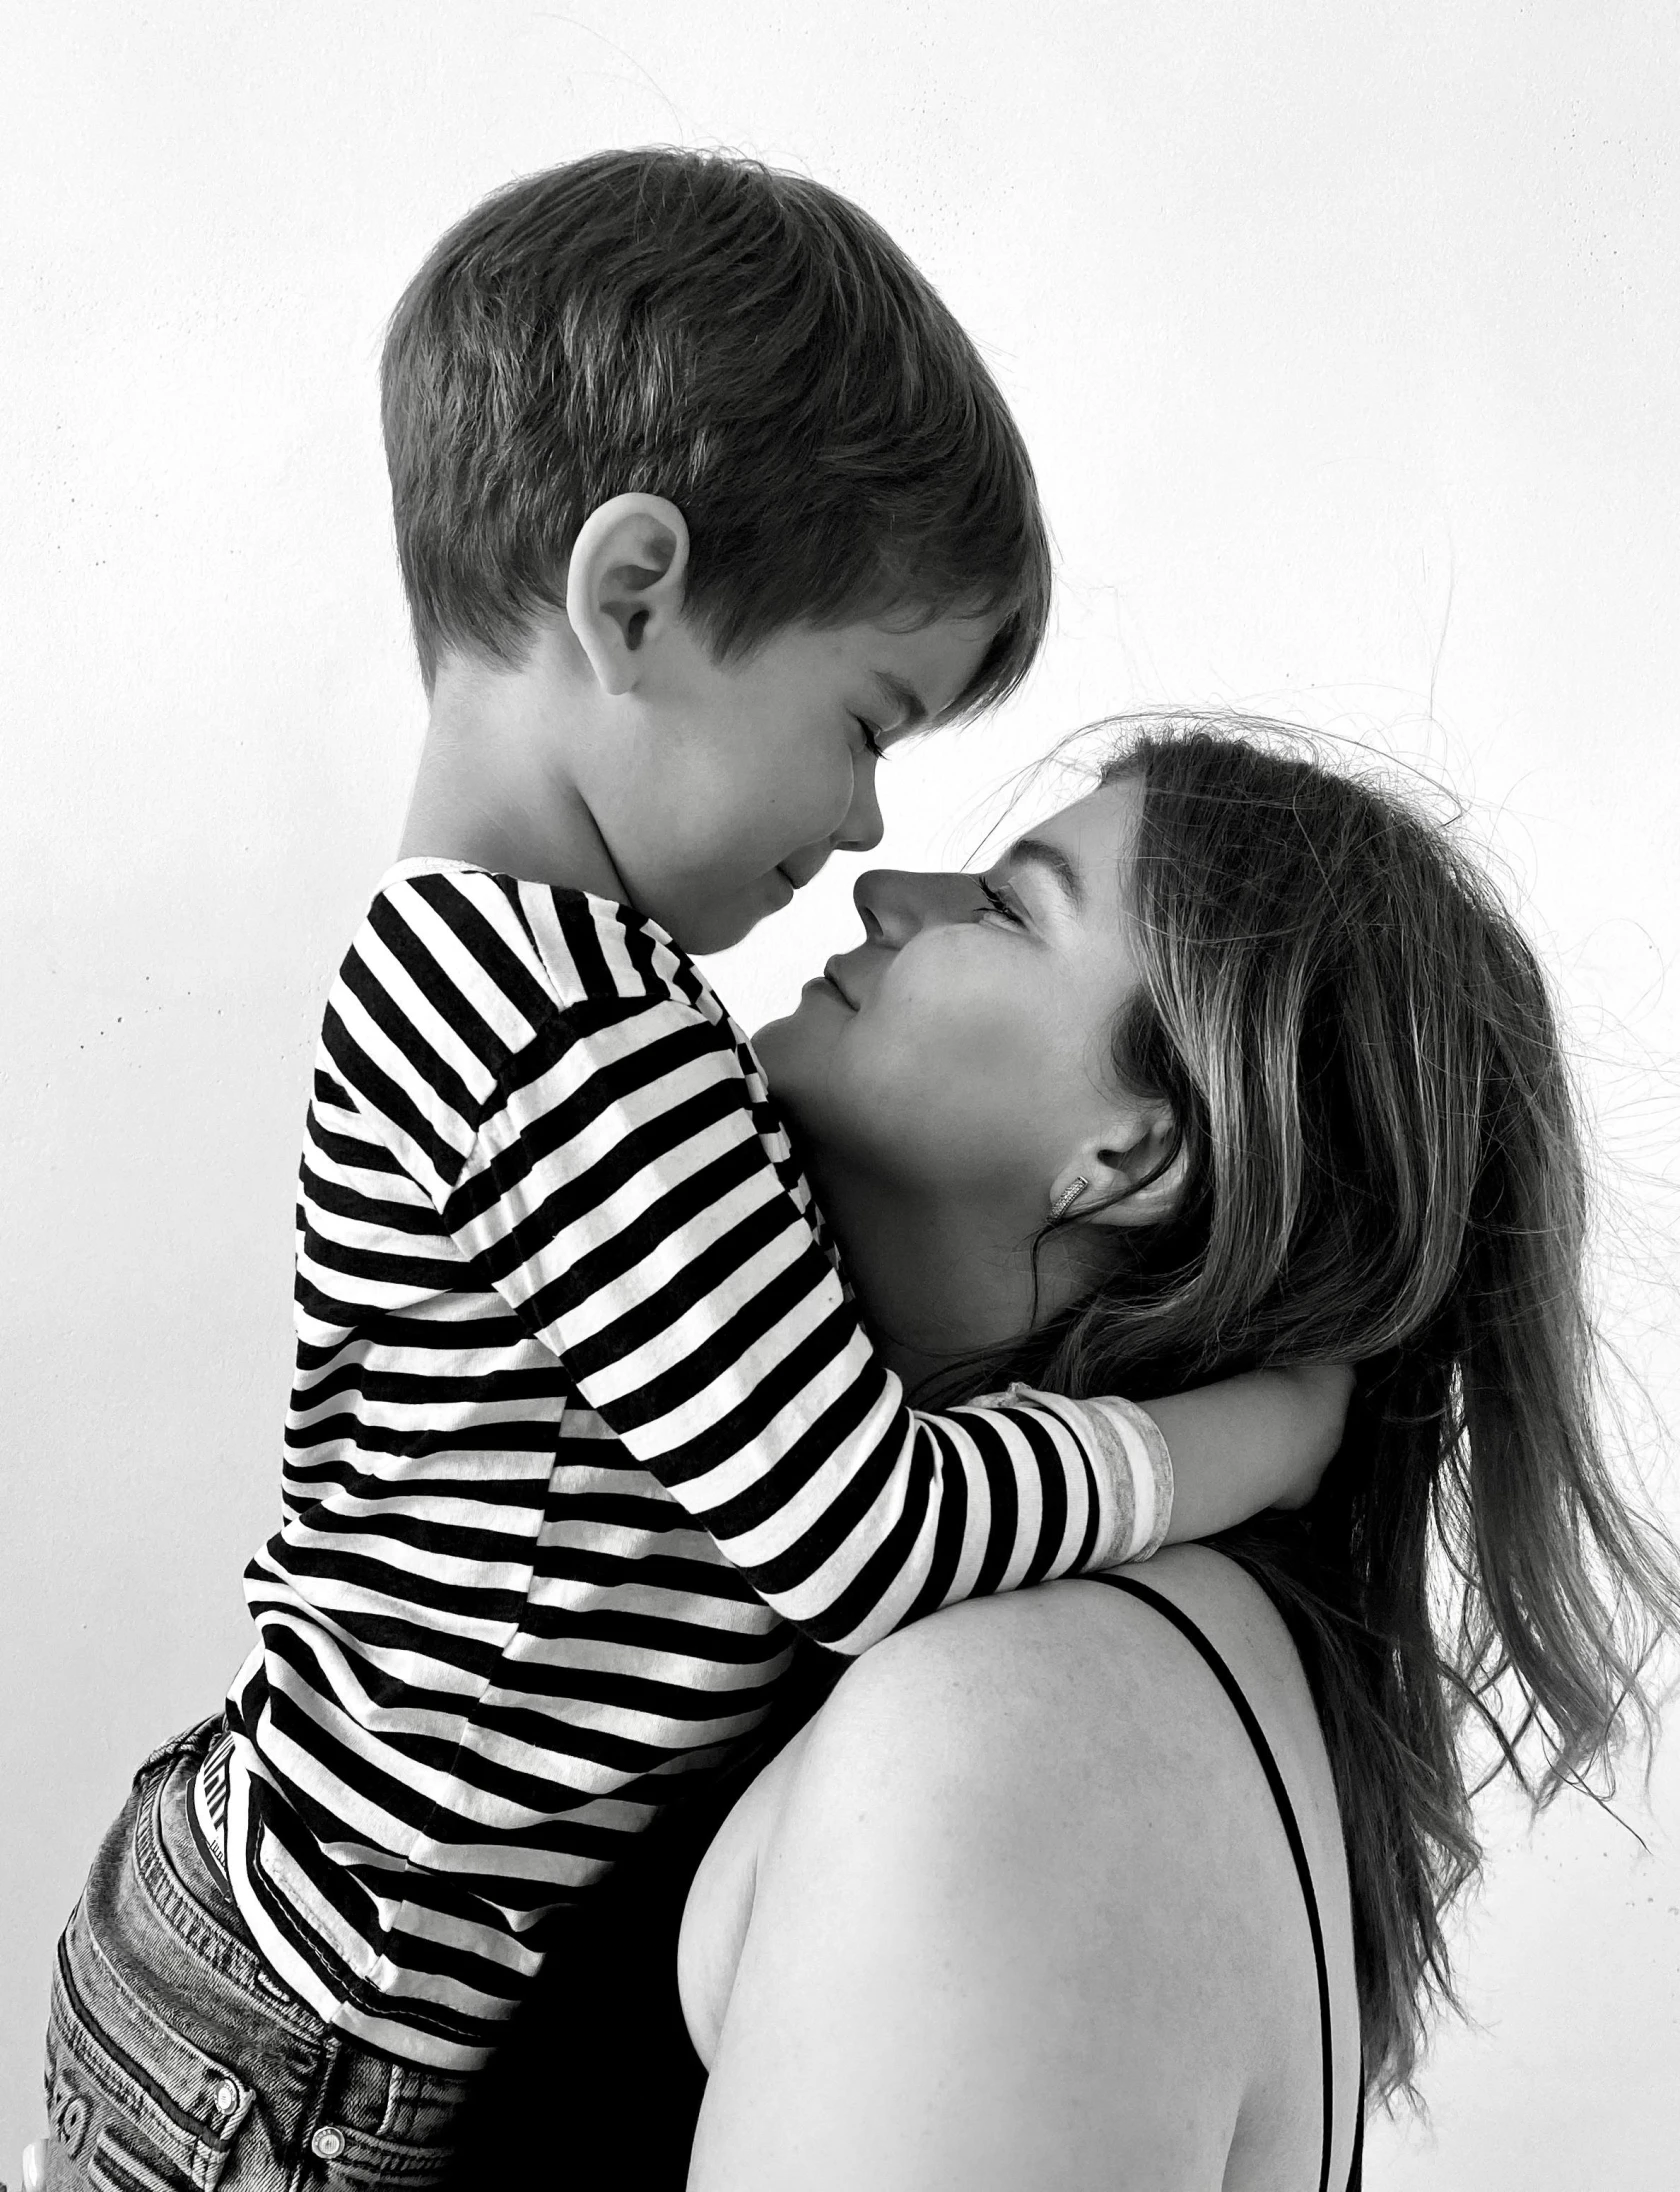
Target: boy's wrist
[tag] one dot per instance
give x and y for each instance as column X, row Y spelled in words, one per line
column 1139, row 1470
column 1144, row 1465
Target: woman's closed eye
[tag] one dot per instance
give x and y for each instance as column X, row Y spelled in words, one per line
column 996, row 903
column 871, row 737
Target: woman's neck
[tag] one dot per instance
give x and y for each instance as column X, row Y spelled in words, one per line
column 940, row 1278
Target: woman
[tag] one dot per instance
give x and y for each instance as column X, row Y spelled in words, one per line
column 1029, row 1901
column 1370, row 1139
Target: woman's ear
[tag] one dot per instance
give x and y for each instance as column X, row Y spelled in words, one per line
column 625, row 584
column 1130, row 1174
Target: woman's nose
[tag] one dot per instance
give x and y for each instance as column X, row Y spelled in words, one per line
column 895, row 902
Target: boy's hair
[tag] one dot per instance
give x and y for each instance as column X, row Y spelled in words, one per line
column 741, row 341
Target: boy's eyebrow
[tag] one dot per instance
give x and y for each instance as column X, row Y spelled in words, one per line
column 910, row 704
column 1037, row 853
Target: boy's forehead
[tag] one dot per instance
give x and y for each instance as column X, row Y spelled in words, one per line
column 923, row 667
column 911, row 625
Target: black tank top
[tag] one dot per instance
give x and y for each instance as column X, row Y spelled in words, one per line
column 597, row 2079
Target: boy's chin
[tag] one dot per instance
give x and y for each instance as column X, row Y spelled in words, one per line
column 702, row 935
column 720, row 926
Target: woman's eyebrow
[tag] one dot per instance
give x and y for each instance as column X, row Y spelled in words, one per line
column 1035, row 852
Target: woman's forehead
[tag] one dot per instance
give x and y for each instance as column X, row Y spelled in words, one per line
column 1094, row 834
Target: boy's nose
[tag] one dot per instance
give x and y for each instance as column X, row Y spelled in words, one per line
column 862, row 829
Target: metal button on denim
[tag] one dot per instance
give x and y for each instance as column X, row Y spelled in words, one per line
column 328, row 2143
column 227, row 2097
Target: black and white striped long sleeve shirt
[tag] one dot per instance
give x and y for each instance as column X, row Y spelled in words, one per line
column 583, row 1420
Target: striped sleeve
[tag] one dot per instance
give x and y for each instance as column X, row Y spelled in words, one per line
column 547, row 1068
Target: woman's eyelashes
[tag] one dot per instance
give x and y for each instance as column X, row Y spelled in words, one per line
column 871, row 738
column 998, row 904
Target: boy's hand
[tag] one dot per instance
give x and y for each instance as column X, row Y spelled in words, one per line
column 1263, row 1440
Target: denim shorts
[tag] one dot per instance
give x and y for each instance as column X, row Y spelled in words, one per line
column 175, row 2059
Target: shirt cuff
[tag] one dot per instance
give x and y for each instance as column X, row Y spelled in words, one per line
column 1140, row 1473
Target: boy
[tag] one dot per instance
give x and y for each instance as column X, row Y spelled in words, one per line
column 702, row 500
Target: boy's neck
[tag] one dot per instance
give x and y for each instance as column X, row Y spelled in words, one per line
column 492, row 787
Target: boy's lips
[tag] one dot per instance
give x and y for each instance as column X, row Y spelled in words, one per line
column 801, row 868
column 833, row 981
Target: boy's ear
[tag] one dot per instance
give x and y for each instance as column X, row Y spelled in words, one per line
column 625, row 584
column 1132, row 1173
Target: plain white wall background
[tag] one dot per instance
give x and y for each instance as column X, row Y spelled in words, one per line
column 1344, row 339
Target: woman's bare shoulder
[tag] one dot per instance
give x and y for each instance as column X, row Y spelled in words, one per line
column 1033, row 1826
column 1103, row 1664
column 1079, row 1691
column 1077, row 1679
column 1037, row 1696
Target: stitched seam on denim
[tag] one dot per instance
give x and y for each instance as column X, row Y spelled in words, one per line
column 100, row 2056
column 203, row 1934
column 381, row 2160
column 418, row 2094
column 113, row 2168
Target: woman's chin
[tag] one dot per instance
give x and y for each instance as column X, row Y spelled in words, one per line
column 791, row 1058
column 799, row 1040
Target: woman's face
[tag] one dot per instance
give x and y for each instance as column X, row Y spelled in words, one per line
column 964, row 1046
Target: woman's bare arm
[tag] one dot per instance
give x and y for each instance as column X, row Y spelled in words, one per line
column 1017, row 1913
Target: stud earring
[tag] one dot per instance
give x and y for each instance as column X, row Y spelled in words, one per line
column 1066, row 1199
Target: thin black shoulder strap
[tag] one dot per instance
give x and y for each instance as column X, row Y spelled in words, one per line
column 1182, row 1622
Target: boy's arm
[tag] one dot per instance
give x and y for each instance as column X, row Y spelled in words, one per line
column 607, row 1175
column 1261, row 1440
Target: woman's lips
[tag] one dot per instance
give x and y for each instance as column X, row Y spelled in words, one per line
column 830, row 980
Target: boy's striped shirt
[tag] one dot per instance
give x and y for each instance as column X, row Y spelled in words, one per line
column 583, row 1418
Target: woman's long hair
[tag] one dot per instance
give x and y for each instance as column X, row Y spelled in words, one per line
column 1384, row 1164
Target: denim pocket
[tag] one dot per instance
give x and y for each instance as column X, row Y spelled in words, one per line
column 174, row 2064
column 134, row 2103
column 424, row 2108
